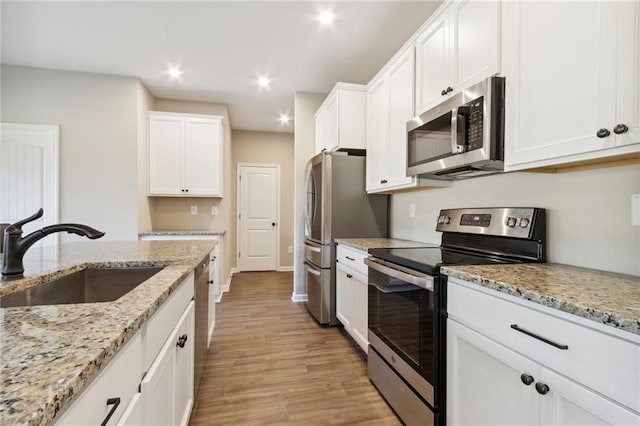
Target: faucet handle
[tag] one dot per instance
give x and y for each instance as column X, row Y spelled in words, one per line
column 16, row 228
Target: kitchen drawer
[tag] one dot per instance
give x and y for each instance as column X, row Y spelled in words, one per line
column 164, row 320
column 118, row 379
column 351, row 258
column 604, row 362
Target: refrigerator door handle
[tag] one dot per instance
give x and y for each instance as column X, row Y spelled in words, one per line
column 313, row 249
column 312, row 271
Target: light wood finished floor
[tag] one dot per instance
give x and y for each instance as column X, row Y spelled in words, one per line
column 271, row 363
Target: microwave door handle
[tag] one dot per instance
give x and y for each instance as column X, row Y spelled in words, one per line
column 454, row 131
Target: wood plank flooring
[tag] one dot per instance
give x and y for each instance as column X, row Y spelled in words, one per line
column 271, row 363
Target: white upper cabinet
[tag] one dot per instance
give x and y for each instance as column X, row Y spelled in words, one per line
column 572, row 83
column 458, row 48
column 341, row 119
column 389, row 107
column 185, row 155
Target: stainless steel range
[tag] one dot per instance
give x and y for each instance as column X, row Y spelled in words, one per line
column 407, row 301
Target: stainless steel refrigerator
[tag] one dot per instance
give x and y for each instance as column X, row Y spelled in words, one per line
column 337, row 206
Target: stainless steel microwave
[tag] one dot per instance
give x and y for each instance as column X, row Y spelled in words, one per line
column 462, row 137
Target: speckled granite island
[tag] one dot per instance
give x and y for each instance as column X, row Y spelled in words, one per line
column 607, row 298
column 182, row 233
column 49, row 354
column 365, row 244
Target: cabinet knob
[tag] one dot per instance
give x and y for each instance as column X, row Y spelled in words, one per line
column 449, row 89
column 603, row 133
column 444, row 92
column 349, row 276
column 383, row 181
column 186, row 190
column 527, row 379
column 182, row 190
column 620, row 129
column 542, row 388
column 182, row 340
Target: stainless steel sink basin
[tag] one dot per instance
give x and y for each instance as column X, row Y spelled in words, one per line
column 89, row 285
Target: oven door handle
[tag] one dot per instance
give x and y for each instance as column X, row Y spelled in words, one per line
column 422, row 281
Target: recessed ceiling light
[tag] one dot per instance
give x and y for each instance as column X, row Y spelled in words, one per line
column 264, row 81
column 284, row 118
column 326, row 17
column 175, row 72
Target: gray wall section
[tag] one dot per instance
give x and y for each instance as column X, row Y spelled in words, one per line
column 588, row 212
column 97, row 115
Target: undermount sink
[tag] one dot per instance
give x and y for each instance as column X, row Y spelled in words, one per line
column 89, row 285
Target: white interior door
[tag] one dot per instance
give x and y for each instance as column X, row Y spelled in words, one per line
column 29, row 174
column 258, row 201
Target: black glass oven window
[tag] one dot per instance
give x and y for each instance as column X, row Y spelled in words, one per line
column 431, row 141
column 402, row 316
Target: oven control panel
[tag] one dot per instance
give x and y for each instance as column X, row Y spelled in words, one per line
column 504, row 221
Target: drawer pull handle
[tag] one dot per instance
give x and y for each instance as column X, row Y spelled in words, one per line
column 111, row 401
column 527, row 379
column 350, row 258
column 182, row 340
column 535, row 336
column 542, row 388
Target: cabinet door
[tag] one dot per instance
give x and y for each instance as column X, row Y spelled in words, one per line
column 360, row 303
column 203, row 156
column 157, row 386
column 401, row 78
column 560, row 65
column 378, row 134
column 166, row 142
column 344, row 296
column 183, row 366
column 332, row 122
column 484, row 385
column 433, row 74
column 568, row 403
column 320, row 131
column 475, row 53
column 134, row 413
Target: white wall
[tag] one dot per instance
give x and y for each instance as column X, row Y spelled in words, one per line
column 588, row 212
column 306, row 105
column 98, row 141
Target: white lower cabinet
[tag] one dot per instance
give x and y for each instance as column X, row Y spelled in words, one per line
column 489, row 382
column 167, row 388
column 352, row 294
column 150, row 380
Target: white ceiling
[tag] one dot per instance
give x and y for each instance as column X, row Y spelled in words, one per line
column 222, row 47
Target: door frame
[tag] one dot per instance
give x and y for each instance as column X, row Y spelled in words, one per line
column 238, row 199
column 53, row 131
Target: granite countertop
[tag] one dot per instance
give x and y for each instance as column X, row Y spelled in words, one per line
column 183, row 232
column 365, row 244
column 50, row 353
column 604, row 297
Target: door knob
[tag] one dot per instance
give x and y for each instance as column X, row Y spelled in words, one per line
column 620, row 129
column 273, row 224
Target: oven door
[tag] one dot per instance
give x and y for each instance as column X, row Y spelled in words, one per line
column 404, row 324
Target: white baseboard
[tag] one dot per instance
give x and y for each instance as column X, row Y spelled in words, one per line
column 285, row 269
column 299, row 297
column 227, row 285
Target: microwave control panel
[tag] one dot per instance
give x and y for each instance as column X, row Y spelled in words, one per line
column 474, row 127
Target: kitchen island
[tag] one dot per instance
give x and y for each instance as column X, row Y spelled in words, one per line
column 50, row 354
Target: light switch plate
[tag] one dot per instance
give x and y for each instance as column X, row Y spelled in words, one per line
column 412, row 210
column 635, row 209
column 194, row 210
column 214, row 210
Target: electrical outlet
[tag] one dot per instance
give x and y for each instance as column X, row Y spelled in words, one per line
column 194, row 210
column 214, row 210
column 412, row 210
column 635, row 209
column 289, row 249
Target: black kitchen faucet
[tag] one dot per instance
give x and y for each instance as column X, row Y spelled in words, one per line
column 15, row 245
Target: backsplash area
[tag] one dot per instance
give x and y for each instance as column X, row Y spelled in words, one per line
column 175, row 214
column 588, row 212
